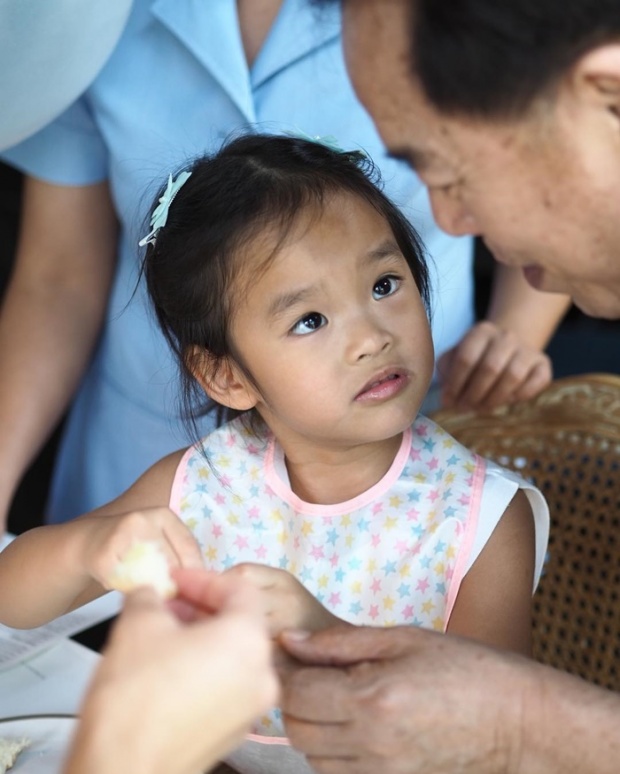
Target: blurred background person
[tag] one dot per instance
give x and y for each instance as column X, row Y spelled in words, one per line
column 73, row 326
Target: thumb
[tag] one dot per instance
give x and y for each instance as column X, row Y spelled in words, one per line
column 141, row 599
column 348, row 645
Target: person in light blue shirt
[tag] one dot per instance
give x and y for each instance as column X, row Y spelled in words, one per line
column 184, row 77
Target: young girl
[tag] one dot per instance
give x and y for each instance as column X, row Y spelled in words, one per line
column 293, row 293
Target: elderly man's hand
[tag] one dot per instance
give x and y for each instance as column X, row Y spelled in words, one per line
column 364, row 700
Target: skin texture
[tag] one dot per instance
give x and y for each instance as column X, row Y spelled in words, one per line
column 147, row 708
column 62, row 274
column 501, row 359
column 333, row 314
column 563, row 159
column 340, row 439
column 409, row 701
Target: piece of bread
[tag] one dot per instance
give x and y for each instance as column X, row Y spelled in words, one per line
column 144, row 564
column 10, row 748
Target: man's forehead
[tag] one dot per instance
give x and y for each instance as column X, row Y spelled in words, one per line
column 377, row 49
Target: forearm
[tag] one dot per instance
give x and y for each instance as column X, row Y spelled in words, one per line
column 569, row 726
column 51, row 314
column 43, row 576
column 107, row 742
column 103, row 745
column 43, row 352
column 517, row 307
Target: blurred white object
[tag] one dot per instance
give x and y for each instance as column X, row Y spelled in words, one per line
column 50, row 50
column 143, row 564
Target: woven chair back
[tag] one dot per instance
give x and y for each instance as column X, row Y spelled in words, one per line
column 567, row 441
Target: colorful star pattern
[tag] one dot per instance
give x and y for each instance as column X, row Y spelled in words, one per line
column 388, row 561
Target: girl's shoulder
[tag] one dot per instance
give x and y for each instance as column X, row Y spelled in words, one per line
column 237, row 440
column 152, row 489
column 430, row 441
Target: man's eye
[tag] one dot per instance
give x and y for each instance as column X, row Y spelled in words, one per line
column 309, row 323
column 445, row 188
column 385, row 286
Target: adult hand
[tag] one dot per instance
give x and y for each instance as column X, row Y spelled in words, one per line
column 490, row 367
column 176, row 694
column 402, row 699
column 286, row 603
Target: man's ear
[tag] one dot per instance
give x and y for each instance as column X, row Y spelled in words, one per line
column 597, row 77
column 222, row 380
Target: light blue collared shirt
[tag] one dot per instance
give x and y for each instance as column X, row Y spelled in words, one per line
column 177, row 85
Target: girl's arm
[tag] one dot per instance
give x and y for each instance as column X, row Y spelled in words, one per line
column 494, row 603
column 50, row 570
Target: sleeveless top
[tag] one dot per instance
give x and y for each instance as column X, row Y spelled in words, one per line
column 395, row 554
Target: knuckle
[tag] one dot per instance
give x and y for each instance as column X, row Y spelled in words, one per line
column 387, row 707
column 492, row 367
column 487, row 328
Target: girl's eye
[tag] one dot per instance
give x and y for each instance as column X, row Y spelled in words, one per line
column 385, row 286
column 309, row 323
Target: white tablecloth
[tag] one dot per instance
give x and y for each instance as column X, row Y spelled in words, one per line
column 42, row 671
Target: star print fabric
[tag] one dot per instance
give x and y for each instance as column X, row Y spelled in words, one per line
column 396, row 554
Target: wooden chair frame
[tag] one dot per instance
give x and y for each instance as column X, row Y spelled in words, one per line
column 567, row 441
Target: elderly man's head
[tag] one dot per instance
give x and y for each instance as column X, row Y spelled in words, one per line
column 510, row 113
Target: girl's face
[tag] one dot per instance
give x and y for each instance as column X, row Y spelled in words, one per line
column 334, row 332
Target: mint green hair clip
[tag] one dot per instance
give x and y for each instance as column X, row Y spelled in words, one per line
column 160, row 213
column 328, row 140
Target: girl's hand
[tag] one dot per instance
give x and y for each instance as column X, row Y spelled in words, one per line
column 109, row 537
column 286, row 603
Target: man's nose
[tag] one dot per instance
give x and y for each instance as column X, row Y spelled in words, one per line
column 450, row 213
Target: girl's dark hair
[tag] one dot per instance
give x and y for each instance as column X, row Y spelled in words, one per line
column 254, row 184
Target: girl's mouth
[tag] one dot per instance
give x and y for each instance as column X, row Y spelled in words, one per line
column 383, row 387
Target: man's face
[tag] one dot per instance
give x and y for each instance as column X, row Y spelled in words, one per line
column 542, row 192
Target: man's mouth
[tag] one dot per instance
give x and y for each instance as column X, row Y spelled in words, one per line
column 534, row 276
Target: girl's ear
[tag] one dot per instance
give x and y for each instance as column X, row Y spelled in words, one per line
column 223, row 381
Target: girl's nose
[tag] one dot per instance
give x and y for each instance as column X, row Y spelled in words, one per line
column 450, row 214
column 368, row 340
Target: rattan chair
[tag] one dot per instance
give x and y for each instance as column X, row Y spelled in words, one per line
column 567, row 441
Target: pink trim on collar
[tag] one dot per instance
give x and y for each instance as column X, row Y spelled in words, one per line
column 284, row 491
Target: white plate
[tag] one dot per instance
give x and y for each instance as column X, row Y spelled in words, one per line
column 49, row 737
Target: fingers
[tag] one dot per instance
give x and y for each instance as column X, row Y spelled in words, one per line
column 117, row 534
column 304, row 695
column 209, row 592
column 143, row 600
column 323, row 740
column 143, row 613
column 260, row 575
column 523, row 377
column 343, row 765
column 182, row 542
column 490, row 368
column 348, row 645
column 538, row 379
